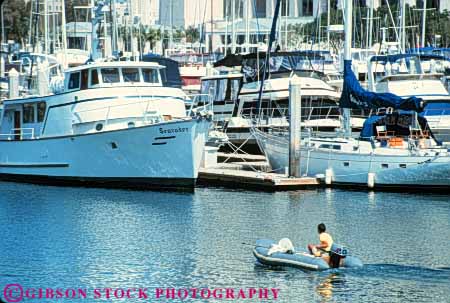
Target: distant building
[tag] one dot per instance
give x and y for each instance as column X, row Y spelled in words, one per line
column 185, row 13
column 147, row 10
column 144, row 11
column 444, row 5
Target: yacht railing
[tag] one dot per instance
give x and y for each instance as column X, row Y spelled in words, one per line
column 23, row 133
column 308, row 113
column 199, row 102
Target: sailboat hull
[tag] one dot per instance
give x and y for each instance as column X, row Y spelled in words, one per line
column 358, row 168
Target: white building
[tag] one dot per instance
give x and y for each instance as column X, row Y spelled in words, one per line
column 147, row 10
column 444, row 5
column 184, row 13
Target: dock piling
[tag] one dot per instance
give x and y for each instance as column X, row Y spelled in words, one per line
column 295, row 109
column 13, row 84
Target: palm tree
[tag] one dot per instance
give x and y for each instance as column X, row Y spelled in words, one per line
column 151, row 35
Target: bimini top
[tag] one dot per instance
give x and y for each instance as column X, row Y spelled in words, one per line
column 233, row 60
column 399, row 122
column 354, row 96
column 279, row 63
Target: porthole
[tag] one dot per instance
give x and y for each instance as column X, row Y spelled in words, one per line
column 131, row 124
column 384, row 165
column 402, row 165
column 99, row 126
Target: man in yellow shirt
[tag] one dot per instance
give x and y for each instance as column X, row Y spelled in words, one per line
column 322, row 249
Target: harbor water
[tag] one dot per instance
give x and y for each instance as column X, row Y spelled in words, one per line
column 79, row 238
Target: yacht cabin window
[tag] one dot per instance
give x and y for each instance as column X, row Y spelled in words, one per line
column 94, row 77
column 33, row 112
column 28, row 113
column 74, row 80
column 150, row 75
column 84, row 79
column 221, row 90
column 110, row 75
column 130, row 74
column 41, row 107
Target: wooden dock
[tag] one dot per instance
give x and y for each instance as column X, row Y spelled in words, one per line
column 228, row 176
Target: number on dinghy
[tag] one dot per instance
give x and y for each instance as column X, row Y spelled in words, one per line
column 339, row 250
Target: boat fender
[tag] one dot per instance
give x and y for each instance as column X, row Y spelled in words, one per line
column 371, row 180
column 328, row 176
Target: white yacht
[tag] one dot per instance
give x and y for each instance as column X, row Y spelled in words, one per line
column 409, row 75
column 235, row 95
column 108, row 124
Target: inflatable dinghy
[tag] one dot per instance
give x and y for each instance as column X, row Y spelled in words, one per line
column 269, row 252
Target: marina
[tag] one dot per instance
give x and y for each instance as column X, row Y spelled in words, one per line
column 237, row 150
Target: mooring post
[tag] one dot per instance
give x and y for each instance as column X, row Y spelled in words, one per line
column 2, row 66
column 295, row 136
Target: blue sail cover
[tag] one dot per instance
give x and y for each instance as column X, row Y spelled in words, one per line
column 354, row 96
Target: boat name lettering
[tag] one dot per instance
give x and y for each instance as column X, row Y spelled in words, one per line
column 173, row 130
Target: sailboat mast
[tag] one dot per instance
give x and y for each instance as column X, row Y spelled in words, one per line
column 371, row 23
column 269, row 48
column 348, row 23
column 46, row 37
column 424, row 18
column 171, row 24
column 403, row 28
column 286, row 13
column 328, row 23
column 233, row 28
column 247, row 25
column 212, row 27
column 64, row 32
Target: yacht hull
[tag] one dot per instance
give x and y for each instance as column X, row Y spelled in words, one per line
column 164, row 155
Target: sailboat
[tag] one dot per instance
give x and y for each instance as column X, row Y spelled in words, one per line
column 396, row 148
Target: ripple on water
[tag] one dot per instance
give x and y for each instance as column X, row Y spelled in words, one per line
column 68, row 237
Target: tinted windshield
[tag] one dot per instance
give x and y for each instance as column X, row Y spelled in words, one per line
column 110, row 75
column 130, row 74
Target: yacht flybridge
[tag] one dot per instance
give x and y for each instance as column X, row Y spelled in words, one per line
column 107, row 123
column 235, row 96
column 415, row 75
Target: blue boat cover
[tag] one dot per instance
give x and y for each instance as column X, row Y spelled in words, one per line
column 394, row 58
column 171, row 74
column 354, row 96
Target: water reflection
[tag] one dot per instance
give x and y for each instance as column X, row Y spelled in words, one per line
column 327, row 285
column 71, row 237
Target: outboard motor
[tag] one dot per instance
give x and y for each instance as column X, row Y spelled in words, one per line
column 337, row 253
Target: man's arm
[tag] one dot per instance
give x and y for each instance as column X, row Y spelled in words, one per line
column 322, row 245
